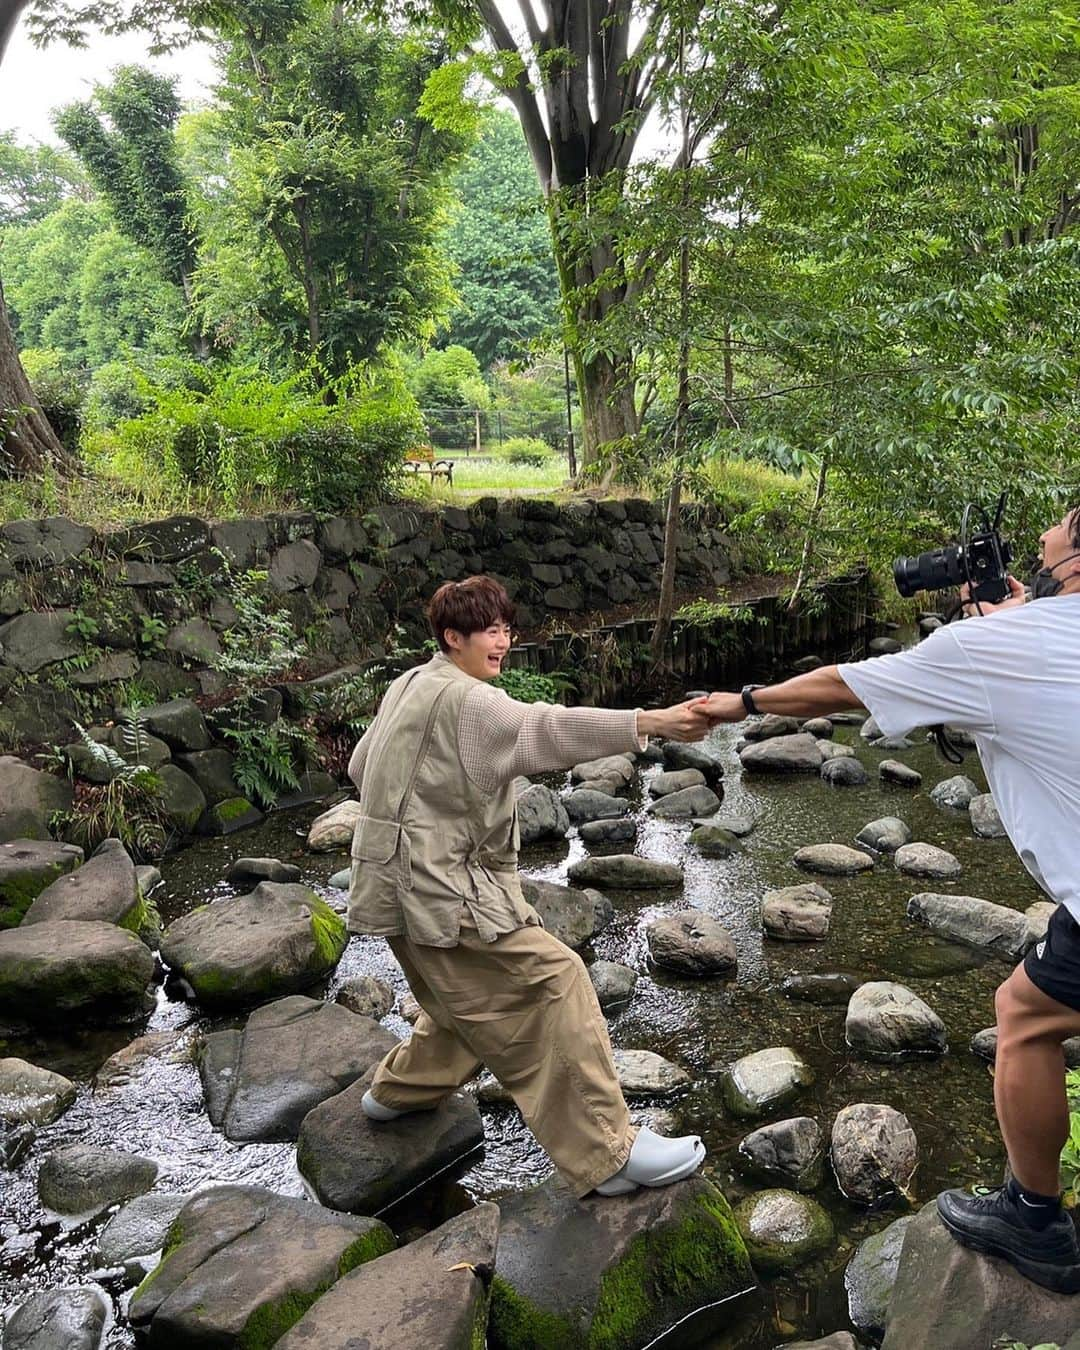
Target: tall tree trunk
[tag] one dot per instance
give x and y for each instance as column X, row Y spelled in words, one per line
column 811, row 526
column 28, row 444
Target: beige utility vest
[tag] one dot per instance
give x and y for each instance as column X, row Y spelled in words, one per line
column 429, row 842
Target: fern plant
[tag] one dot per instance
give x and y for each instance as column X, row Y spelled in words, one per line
column 268, row 758
column 129, row 807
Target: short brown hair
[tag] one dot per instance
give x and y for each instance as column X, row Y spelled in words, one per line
column 468, row 607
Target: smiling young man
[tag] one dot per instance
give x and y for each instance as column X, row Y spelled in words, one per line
column 1013, row 679
column 435, row 873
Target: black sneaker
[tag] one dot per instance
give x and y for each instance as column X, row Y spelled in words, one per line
column 987, row 1221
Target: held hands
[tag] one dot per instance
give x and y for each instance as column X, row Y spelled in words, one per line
column 721, row 707
column 1017, row 597
column 682, row 722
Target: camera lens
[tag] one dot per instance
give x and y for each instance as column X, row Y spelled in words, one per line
column 935, row 570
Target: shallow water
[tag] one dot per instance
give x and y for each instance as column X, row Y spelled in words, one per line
column 701, row 1025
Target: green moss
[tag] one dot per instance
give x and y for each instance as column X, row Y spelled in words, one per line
column 174, row 1238
column 268, row 1323
column 328, row 931
column 232, row 808
column 478, row 1338
column 377, row 1242
column 518, row 1324
column 20, row 891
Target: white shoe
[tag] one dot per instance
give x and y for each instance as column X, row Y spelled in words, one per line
column 376, row 1111
column 655, row 1161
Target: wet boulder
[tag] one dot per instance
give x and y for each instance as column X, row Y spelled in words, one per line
column 956, row 793
column 625, row 871
column 250, row 871
column 790, row 1152
column 883, row 646
column 839, row 1340
column 675, row 780
column 70, row 1318
column 27, row 867
column 367, row 996
column 694, row 755
column 334, row 828
column 618, row 768
column 783, row 1230
column 541, row 814
column 797, row 913
column 870, row 1277
column 834, row 860
column 887, row 1021
column 232, row 814
column 643, row 1073
column 433, row 1293
column 29, row 799
column 772, row 725
column 242, row 1265
column 591, row 1273
column 260, row 1083
column 884, row 835
column 963, row 918
column 614, row 983
column 85, row 1179
column 800, row 753
column 874, row 1153
column 278, row 940
column 68, row 972
column 588, row 804
column 984, row 1044
column 104, row 890
column 691, row 943
column 760, row 1082
column 985, row 821
column 685, row 803
column 926, row 860
column 133, row 1238
column 212, row 772
column 615, row 831
column 711, row 841
column 32, row 1095
column 354, row 1164
column 830, row 989
column 946, row 1295
column 568, row 913
column 900, row 775
column 734, row 822
column 835, row 750
column 819, row 727
column 844, row 771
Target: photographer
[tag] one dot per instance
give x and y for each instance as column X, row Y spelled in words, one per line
column 1010, row 675
column 435, row 873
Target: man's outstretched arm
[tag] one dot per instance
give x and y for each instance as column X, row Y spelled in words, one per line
column 811, row 695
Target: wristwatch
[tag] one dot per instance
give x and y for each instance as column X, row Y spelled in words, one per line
column 747, row 694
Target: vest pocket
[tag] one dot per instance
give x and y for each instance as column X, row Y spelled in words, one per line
column 375, row 840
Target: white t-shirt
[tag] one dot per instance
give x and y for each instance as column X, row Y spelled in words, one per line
column 1013, row 679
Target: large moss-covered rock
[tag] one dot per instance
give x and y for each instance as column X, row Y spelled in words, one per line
column 433, row 1294
column 242, row 1265
column 27, row 867
column 71, row 972
column 280, row 939
column 29, row 799
column 261, row 1082
column 181, row 797
column 104, row 890
column 212, row 772
column 589, row 1273
column 229, row 815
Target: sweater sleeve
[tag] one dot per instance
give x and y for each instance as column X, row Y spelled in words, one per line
column 359, row 759
column 500, row 738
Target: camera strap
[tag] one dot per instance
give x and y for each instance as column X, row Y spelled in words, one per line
column 946, row 748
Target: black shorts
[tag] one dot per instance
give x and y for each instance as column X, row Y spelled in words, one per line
column 1053, row 964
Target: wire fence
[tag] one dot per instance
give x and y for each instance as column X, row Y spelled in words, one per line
column 482, row 431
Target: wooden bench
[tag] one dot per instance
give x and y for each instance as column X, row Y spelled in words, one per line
column 434, row 468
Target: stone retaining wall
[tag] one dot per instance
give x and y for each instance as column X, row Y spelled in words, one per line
column 82, row 612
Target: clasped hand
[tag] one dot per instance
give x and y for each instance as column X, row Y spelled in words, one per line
column 692, row 720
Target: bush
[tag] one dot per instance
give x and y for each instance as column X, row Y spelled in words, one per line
column 525, row 450
column 59, row 389
column 123, row 390
column 450, row 378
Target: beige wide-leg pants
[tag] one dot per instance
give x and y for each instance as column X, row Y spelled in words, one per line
column 524, row 1006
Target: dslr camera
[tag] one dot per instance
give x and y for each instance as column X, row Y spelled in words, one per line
column 981, row 560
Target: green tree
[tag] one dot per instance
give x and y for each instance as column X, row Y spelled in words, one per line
column 500, row 241
column 36, row 180
column 449, row 377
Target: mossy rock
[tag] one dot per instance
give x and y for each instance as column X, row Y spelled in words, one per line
column 601, row 1276
column 28, row 867
column 783, row 1229
column 228, row 816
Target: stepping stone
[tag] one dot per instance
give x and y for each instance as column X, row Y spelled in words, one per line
column 835, row 750
column 985, row 821
column 568, row 913
column 541, row 815
column 432, row 1293
column 984, row 1044
column 134, row 1238
column 607, row 766
column 232, row 814
column 340, row 881
column 71, row 1318
column 900, row 775
column 367, row 996
column 893, row 743
column 691, row 801
column 30, row 1095
column 884, row 835
column 27, row 867
column 144, row 1054
column 760, row 1082
column 883, row 646
column 250, row 871
column 674, row 781
column 625, row 871
column 278, row 940
column 585, row 804
column 956, row 793
column 70, row 973
column 870, row 731
column 355, row 1164
column 614, row 984
column 797, row 913
column 621, row 831
column 790, row 1152
column 962, row 918
column 85, row 1179
column 260, row 1083
column 771, row 726
column 924, row 860
column 887, row 1021
column 240, row 1260
column 783, row 1230
column 805, row 663
column 690, row 755
column 820, row 727
column 104, row 889
column 334, row 828
column 713, row 842
column 874, row 1153
column 837, row 860
column 570, row 1272
column 740, row 825
column 641, row 1074
column 870, row 1276
column 800, row 753
column 844, row 771
column 829, row 990
column 691, row 943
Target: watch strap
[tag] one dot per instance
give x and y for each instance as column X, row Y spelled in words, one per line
column 747, row 694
